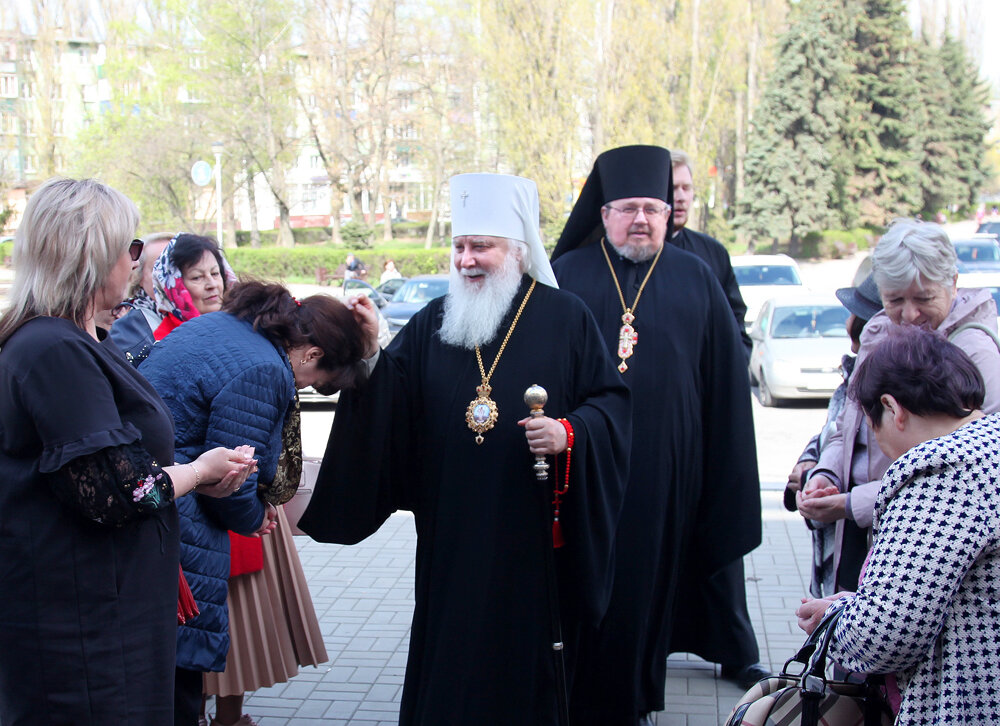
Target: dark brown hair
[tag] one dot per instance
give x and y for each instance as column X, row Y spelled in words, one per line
column 923, row 371
column 318, row 320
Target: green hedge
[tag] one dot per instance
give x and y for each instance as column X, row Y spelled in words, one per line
column 6, row 250
column 278, row 263
column 838, row 243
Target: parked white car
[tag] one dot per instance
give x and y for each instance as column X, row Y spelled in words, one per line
column 762, row 277
column 798, row 342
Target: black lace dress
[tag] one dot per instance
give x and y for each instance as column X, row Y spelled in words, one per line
column 88, row 536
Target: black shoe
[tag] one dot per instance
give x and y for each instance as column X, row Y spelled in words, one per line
column 746, row 676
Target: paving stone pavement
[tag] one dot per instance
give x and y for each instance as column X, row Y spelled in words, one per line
column 363, row 596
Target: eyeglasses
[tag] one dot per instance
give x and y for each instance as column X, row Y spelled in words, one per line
column 135, row 249
column 649, row 210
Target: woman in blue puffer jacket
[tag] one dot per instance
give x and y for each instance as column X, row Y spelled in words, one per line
column 231, row 376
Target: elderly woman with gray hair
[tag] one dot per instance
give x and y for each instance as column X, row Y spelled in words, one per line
column 915, row 268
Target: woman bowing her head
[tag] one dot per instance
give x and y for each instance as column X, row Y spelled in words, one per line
column 232, row 376
column 89, row 538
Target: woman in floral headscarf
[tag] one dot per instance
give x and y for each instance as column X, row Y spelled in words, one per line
column 189, row 279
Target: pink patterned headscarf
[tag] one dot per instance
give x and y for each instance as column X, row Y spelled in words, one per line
column 172, row 297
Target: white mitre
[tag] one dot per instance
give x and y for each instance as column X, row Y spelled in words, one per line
column 501, row 205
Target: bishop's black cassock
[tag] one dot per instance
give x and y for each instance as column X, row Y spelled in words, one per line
column 480, row 647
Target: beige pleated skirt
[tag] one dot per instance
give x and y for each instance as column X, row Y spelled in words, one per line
column 272, row 624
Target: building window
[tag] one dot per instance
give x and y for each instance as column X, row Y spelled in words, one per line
column 8, row 85
column 57, row 127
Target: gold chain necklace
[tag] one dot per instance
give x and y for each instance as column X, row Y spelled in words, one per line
column 482, row 412
column 627, row 337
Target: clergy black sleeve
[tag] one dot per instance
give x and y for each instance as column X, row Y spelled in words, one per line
column 728, row 524
column 362, row 478
column 602, row 426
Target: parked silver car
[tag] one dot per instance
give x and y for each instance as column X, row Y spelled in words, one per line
column 798, row 343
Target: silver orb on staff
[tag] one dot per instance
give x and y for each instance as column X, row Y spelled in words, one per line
column 536, row 397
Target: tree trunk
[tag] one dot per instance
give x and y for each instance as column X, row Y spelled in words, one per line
column 336, row 204
column 694, row 71
column 285, row 236
column 252, row 200
column 435, row 205
column 229, row 220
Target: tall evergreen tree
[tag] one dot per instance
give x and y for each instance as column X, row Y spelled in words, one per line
column 791, row 174
column 885, row 136
column 940, row 181
column 965, row 119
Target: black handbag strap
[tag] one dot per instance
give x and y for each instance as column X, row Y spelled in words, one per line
column 813, row 680
column 824, row 634
column 805, row 653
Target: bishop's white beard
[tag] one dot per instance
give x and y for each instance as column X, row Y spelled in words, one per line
column 473, row 316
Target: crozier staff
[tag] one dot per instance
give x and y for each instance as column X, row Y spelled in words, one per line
column 439, row 429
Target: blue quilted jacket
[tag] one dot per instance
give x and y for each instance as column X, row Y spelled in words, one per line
column 225, row 385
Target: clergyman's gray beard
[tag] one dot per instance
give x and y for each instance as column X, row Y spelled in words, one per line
column 636, row 253
column 472, row 317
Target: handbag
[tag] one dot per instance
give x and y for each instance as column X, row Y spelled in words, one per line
column 808, row 697
column 287, row 476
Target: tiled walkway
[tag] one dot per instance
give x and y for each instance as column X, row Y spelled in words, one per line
column 364, row 598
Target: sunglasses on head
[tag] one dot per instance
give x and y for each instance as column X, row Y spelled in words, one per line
column 135, row 249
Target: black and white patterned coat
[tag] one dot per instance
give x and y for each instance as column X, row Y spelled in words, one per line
column 929, row 606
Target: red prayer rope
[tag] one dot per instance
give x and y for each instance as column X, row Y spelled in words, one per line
column 557, row 491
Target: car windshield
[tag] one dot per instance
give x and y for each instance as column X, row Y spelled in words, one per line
column 977, row 252
column 766, row 275
column 809, row 321
column 421, row 291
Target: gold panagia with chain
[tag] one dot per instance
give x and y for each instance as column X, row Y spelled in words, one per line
column 482, row 413
column 628, row 338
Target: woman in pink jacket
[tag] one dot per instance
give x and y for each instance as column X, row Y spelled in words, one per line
column 916, row 270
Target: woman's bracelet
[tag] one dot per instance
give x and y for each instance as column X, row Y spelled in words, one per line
column 197, row 475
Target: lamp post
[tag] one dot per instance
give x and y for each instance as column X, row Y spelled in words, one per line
column 217, row 150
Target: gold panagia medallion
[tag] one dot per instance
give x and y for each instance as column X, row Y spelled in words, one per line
column 627, row 340
column 482, row 413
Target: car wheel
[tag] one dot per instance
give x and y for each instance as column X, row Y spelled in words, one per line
column 764, row 393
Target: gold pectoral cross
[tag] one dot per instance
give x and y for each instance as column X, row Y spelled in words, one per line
column 627, row 340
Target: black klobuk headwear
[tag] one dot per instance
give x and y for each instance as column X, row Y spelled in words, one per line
column 622, row 173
